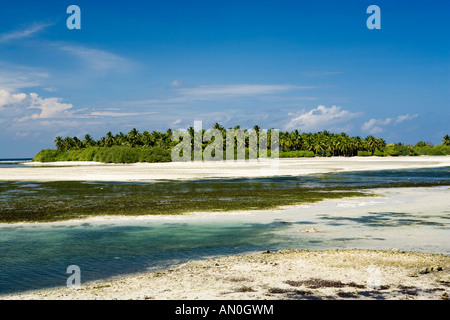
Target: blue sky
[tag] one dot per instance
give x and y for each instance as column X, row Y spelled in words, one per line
column 154, row 65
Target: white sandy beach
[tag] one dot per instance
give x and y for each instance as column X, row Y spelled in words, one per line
column 92, row 171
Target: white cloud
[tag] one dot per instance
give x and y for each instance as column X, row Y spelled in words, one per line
column 18, row 103
column 220, row 92
column 377, row 125
column 227, row 91
column 13, row 77
column 22, row 107
column 321, row 118
column 97, row 60
column 6, row 98
column 24, row 33
column 50, row 89
column 404, row 117
column 118, row 114
column 50, row 108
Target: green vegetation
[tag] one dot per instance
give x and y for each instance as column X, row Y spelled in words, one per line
column 297, row 154
column 364, row 153
column 56, row 201
column 114, row 154
column 156, row 146
column 131, row 155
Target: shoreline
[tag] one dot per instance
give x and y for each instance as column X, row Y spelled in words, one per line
column 154, row 172
column 286, row 274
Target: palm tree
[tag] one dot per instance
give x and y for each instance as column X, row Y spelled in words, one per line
column 120, row 139
column 68, row 143
column 77, row 143
column 446, row 141
column 134, row 137
column 380, row 143
column 371, row 143
column 109, row 140
column 59, row 143
column 146, row 139
column 88, row 141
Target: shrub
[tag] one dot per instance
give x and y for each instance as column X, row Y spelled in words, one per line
column 378, row 153
column 399, row 149
column 46, row 155
column 154, row 154
column 296, row 154
column 391, row 150
column 89, row 153
column 439, row 150
column 364, row 153
column 131, row 155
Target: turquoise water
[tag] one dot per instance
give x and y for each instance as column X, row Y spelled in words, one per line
column 37, row 256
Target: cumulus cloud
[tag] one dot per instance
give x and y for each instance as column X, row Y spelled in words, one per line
column 19, row 103
column 24, row 107
column 6, row 98
column 378, row 125
column 375, row 125
column 321, row 118
column 50, row 107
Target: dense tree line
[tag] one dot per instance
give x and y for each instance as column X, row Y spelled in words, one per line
column 322, row 142
column 155, row 146
column 133, row 139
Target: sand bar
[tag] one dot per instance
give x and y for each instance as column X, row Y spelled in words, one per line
column 93, row 171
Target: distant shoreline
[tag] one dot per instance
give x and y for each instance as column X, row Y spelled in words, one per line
column 153, row 172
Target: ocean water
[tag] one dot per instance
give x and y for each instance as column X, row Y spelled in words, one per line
column 33, row 258
column 36, row 256
column 14, row 162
